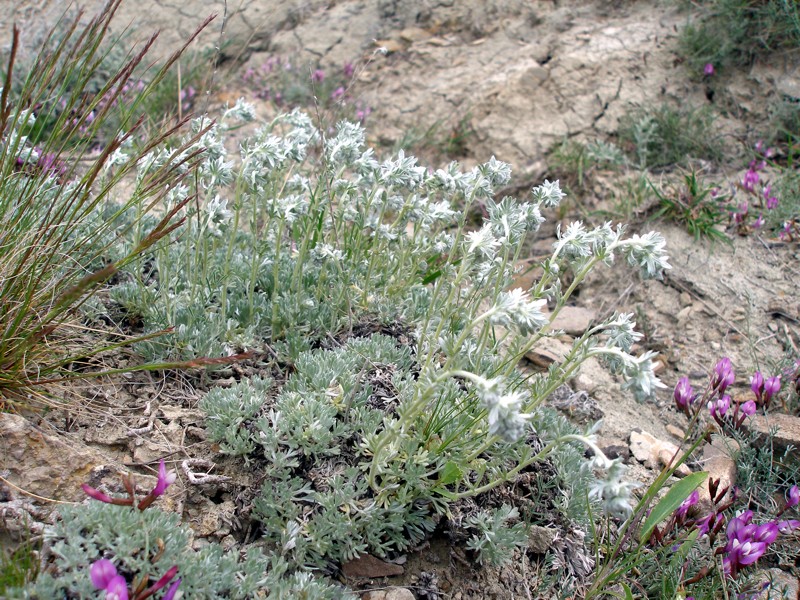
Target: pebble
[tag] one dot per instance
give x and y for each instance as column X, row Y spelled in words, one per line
column 369, row 567
column 675, row 431
column 391, row 593
column 655, row 453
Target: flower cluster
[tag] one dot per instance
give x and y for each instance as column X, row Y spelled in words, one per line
column 283, row 82
column 718, row 402
column 759, row 193
column 105, row 577
column 764, row 389
column 747, row 542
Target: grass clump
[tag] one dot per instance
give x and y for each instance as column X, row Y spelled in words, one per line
column 60, row 239
column 666, row 136
column 734, row 33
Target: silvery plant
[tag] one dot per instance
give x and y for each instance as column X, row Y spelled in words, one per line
column 403, row 330
column 310, row 246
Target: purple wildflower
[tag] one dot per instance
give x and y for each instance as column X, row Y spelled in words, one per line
column 719, row 407
column 165, row 479
column 794, row 497
column 708, row 70
column 757, row 384
column 787, row 526
column 748, row 408
column 117, row 589
column 348, row 70
column 683, row 509
column 759, row 222
column 750, row 180
column 710, row 523
column 683, row 394
column 337, row 93
column 771, row 387
column 318, row 76
column 173, row 589
column 723, row 375
column 104, row 576
column 766, row 533
column 772, row 202
column 102, row 572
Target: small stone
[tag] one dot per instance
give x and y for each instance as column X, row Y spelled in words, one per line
column 369, row 567
column 675, row 431
column 391, row 46
column 574, row 320
column 540, row 539
column 617, row 451
column 685, row 299
column 684, row 314
column 593, row 376
column 547, row 351
column 414, row 34
column 788, row 429
column 654, row 453
column 390, row 593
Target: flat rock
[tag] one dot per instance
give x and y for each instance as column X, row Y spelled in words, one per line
column 593, row 376
column 654, row 453
column 540, row 539
column 574, row 320
column 43, row 464
column 675, row 431
column 391, row 593
column 548, row 351
column 369, row 567
column 788, row 429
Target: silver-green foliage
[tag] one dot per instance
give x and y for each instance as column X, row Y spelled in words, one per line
column 150, row 542
column 499, row 533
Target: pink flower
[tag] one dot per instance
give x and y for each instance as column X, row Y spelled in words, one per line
column 117, row 589
column 102, row 572
column 708, row 70
column 318, row 76
column 348, row 70
column 759, row 222
column 772, row 386
column 794, row 497
column 748, row 408
column 787, row 526
column 723, row 375
column 719, row 407
column 337, row 93
column 165, row 479
column 772, row 202
column 683, row 394
column 172, row 590
column 104, row 576
column 711, row 522
column 751, row 179
column 683, row 509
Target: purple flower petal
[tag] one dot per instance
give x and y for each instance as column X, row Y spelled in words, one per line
column 117, row 589
column 102, row 572
column 173, row 589
column 165, row 479
column 794, row 497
